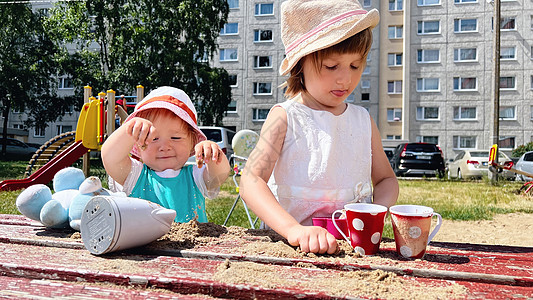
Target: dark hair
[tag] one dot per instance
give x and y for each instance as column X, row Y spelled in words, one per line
column 359, row 43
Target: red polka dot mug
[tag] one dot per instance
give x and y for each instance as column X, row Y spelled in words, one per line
column 365, row 225
column 411, row 225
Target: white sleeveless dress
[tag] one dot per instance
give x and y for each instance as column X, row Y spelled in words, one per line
column 325, row 161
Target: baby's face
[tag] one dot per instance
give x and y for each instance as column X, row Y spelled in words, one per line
column 171, row 146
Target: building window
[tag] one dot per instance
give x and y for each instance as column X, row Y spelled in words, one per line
column 233, row 4
column 394, row 114
column 350, row 98
column 18, row 126
column 39, row 132
column 464, row 1
column 259, row 114
column 232, row 107
column 428, row 27
column 263, row 62
column 508, row 23
column 428, row 2
column 262, row 88
column 507, row 83
column 366, row 71
column 508, row 53
column 464, row 54
column 394, row 87
column 395, row 5
column 531, row 112
column 464, row 142
column 427, row 84
column 367, row 3
column 394, row 59
column 65, row 83
column 395, row 32
column 427, row 113
column 428, row 56
column 232, row 80
column 531, row 22
column 507, row 113
column 62, row 129
column 365, row 96
column 506, row 142
column 464, row 113
column 230, row 29
column 464, row 25
column 264, row 9
column 427, row 139
column 365, row 84
column 262, row 35
column 228, row 54
column 464, row 83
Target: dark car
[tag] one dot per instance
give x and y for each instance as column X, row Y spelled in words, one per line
column 419, row 159
column 17, row 150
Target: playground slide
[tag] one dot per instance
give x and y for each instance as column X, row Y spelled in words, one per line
column 46, row 173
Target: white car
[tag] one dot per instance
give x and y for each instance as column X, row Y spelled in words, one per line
column 474, row 164
column 525, row 163
column 220, row 135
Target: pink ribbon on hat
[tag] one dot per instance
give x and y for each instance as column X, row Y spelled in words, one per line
column 172, row 100
column 322, row 26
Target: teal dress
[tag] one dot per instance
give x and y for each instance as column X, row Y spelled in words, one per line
column 179, row 193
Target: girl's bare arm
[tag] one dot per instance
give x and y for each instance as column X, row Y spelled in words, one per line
column 383, row 178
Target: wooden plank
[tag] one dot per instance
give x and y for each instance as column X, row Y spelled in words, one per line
column 197, row 276
column 502, row 265
column 25, row 288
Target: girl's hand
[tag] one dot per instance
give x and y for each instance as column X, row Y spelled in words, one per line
column 141, row 130
column 312, row 239
column 207, row 152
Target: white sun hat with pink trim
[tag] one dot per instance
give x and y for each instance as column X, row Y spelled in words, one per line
column 176, row 101
column 311, row 25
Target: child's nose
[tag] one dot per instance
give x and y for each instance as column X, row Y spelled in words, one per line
column 344, row 77
column 164, row 145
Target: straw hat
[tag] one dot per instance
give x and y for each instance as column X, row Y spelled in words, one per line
column 174, row 100
column 311, row 25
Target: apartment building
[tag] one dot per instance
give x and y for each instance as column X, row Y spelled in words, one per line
column 448, row 78
column 428, row 77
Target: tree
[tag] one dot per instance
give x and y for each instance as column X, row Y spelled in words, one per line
column 518, row 151
column 27, row 68
column 148, row 42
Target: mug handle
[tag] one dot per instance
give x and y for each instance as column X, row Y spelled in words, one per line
column 437, row 227
column 335, row 224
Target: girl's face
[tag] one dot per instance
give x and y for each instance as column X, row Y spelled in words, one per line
column 171, row 146
column 337, row 77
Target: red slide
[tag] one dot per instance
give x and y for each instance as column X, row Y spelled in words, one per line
column 46, row 173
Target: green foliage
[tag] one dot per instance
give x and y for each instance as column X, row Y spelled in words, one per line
column 148, row 42
column 518, row 151
column 28, row 66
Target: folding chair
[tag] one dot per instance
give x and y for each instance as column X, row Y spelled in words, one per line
column 243, row 143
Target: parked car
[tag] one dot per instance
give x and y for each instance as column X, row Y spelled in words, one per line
column 474, row 164
column 525, row 163
column 418, row 158
column 389, row 152
column 17, row 150
column 222, row 136
column 469, row 164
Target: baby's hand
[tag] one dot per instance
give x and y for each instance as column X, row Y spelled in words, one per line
column 312, row 239
column 206, row 152
column 141, row 130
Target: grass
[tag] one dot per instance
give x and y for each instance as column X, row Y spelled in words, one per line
column 454, row 200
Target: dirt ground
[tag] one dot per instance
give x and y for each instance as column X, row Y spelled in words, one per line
column 514, row 229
